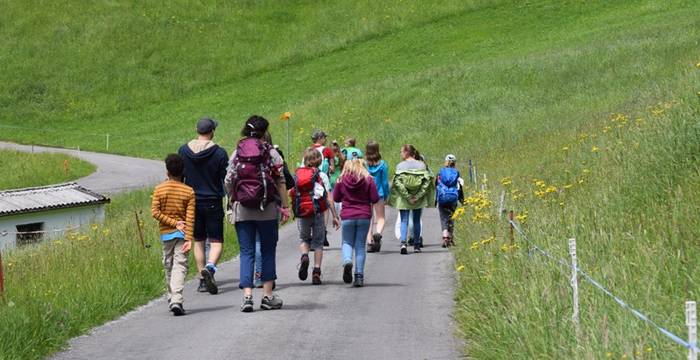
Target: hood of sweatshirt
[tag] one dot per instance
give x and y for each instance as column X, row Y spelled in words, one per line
column 200, row 150
column 376, row 168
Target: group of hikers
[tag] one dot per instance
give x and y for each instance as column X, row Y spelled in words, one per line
column 346, row 188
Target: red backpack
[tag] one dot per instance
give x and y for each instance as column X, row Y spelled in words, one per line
column 253, row 186
column 303, row 193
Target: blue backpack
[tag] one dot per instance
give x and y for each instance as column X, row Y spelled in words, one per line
column 448, row 186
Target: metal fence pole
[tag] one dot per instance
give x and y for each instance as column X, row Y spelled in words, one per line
column 691, row 320
column 2, row 277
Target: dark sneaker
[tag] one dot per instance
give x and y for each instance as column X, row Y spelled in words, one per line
column 370, row 247
column 177, row 309
column 410, row 241
column 202, row 286
column 209, row 281
column 247, row 305
column 271, row 303
column 445, row 242
column 316, row 276
column 325, row 239
column 359, row 280
column 404, row 251
column 420, row 242
column 347, row 273
column 377, row 240
column 417, row 250
column 304, row 267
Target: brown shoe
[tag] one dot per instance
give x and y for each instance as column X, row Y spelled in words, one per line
column 316, row 277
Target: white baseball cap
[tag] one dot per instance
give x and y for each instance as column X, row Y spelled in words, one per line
column 450, row 158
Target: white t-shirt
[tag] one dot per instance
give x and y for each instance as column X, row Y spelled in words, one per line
column 319, row 189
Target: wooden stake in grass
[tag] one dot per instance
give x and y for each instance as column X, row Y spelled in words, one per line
column 66, row 166
column 512, row 228
column 2, row 278
column 138, row 226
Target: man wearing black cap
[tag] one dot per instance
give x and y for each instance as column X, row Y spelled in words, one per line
column 205, row 170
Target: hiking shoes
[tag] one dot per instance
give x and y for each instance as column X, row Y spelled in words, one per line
column 404, row 250
column 370, row 247
column 177, row 309
column 247, row 305
column 377, row 241
column 202, row 286
column 271, row 303
column 417, row 250
column 209, row 281
column 347, row 273
column 304, row 267
column 316, row 277
column 359, row 280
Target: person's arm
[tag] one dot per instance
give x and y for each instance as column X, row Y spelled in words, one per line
column 385, row 180
column 373, row 193
column 400, row 186
column 425, row 185
column 337, row 196
column 189, row 223
column 230, row 177
column 157, row 214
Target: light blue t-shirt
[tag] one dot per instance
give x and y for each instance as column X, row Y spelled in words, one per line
column 177, row 234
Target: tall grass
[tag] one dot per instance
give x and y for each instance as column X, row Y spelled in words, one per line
column 63, row 288
column 627, row 190
column 26, row 170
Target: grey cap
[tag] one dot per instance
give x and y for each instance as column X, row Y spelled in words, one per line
column 450, row 158
column 206, row 125
column 317, row 134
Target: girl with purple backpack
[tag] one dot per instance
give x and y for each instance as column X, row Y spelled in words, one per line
column 256, row 186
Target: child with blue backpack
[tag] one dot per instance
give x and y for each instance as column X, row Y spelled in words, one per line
column 449, row 195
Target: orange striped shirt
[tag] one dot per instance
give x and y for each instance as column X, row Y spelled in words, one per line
column 173, row 201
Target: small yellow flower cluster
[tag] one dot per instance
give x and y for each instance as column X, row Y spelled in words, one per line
column 522, row 217
column 516, row 194
column 487, row 240
column 506, row 247
column 458, row 213
column 460, row 268
column 507, row 181
column 480, row 203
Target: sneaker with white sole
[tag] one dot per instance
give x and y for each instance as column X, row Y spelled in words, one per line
column 209, row 282
column 247, row 305
column 271, row 302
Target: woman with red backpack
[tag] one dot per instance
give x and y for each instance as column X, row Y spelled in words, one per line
column 449, row 195
column 357, row 192
column 257, row 191
column 310, row 200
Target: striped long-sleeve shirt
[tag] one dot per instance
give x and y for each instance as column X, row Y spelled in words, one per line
column 173, row 201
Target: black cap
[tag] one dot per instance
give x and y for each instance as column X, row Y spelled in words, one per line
column 317, row 134
column 206, row 125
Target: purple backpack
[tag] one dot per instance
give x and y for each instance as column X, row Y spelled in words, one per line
column 253, row 186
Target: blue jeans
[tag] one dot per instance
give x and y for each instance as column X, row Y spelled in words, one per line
column 355, row 237
column 258, row 255
column 416, row 226
column 247, row 232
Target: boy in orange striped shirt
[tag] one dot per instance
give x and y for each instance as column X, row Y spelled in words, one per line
column 173, row 206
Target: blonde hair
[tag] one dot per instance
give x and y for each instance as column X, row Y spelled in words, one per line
column 356, row 168
column 312, row 157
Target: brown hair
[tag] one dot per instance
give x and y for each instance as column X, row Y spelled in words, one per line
column 312, row 157
column 372, row 154
column 411, row 151
column 350, row 141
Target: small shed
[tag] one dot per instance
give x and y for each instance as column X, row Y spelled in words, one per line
column 31, row 215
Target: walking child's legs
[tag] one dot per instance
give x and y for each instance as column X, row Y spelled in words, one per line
column 318, row 235
column 199, row 255
column 404, row 214
column 416, row 226
column 446, row 222
column 361, row 228
column 348, row 233
column 380, row 215
column 258, row 255
column 178, row 273
column 168, row 250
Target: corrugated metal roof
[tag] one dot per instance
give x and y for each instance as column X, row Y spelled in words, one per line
column 60, row 196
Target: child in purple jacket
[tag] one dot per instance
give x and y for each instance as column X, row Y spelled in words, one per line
column 357, row 192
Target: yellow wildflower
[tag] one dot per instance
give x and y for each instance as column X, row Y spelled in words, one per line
column 568, row 186
column 488, row 240
column 94, row 227
column 475, row 245
column 458, row 213
column 106, row 232
column 460, row 268
column 522, row 218
column 565, row 148
column 595, row 149
column 648, row 349
column 539, row 193
column 540, row 183
column 586, row 171
column 286, row 115
column 580, row 181
column 506, row 181
column 551, row 189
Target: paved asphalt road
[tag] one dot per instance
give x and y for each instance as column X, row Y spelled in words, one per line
column 403, row 312
column 114, row 173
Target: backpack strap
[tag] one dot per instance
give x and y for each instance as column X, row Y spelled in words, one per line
column 314, row 179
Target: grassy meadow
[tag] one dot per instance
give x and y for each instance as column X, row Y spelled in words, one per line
column 27, row 170
column 527, row 90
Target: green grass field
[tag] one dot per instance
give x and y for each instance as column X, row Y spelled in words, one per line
column 525, row 89
column 27, row 170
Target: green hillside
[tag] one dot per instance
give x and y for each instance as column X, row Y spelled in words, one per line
column 526, row 89
column 28, row 170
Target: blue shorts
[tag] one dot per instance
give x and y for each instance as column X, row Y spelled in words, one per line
column 209, row 221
